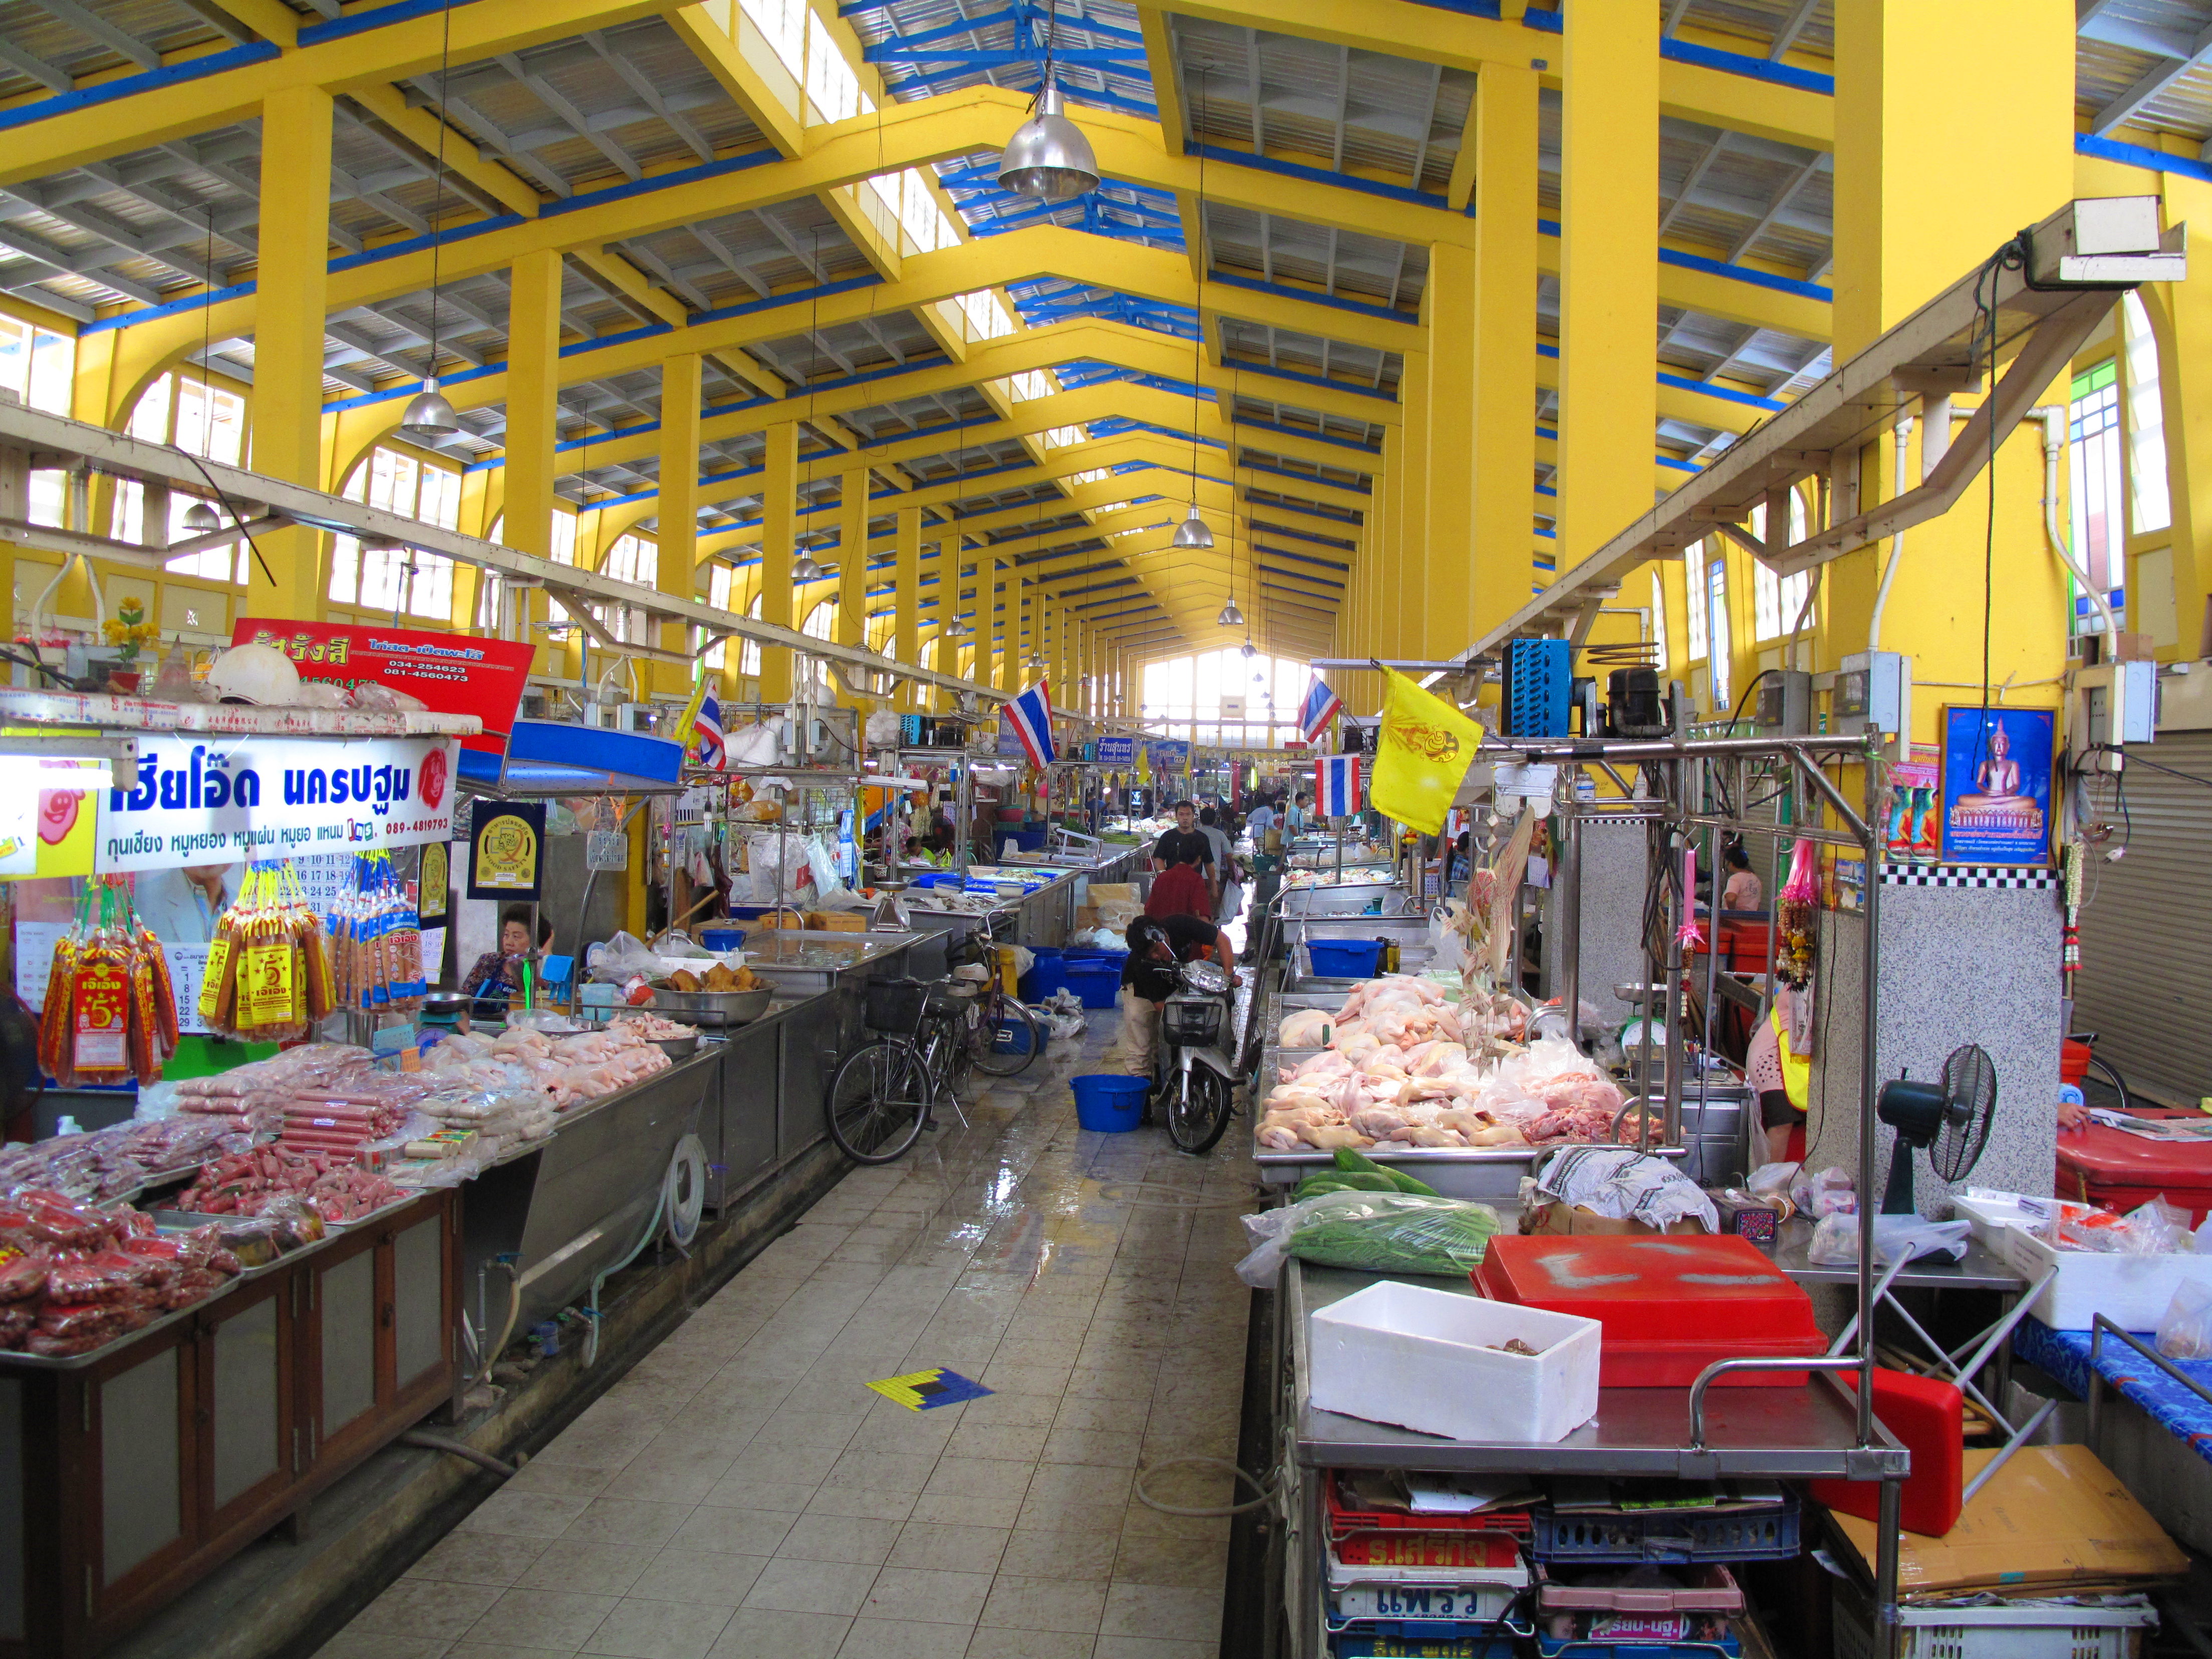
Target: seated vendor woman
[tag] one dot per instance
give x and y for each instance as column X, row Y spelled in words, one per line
column 499, row 972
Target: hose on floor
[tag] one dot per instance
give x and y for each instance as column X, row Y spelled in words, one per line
column 441, row 1443
column 1265, row 1493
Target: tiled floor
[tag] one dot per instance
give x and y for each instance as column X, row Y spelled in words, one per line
column 741, row 1495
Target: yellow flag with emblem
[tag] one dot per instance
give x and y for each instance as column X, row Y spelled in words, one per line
column 687, row 723
column 1421, row 755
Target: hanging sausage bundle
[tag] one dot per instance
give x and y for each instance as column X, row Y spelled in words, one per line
column 376, row 942
column 269, row 968
column 110, row 1014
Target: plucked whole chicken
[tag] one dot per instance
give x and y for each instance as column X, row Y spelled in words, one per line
column 1405, row 1067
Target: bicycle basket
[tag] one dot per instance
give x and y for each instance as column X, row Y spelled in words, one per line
column 1195, row 1021
column 895, row 1005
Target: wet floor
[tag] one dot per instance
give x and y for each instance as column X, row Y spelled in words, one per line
column 741, row 1494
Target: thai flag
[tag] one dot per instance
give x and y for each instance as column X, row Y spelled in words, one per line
column 1336, row 786
column 1320, row 706
column 1031, row 714
column 707, row 728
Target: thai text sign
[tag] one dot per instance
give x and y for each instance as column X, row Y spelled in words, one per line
column 202, row 799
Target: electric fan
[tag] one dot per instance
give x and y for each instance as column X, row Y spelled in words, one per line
column 1948, row 1119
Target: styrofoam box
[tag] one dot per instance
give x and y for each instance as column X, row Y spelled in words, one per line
column 2131, row 1291
column 1430, row 1361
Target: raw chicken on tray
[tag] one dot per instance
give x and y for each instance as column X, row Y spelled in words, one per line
column 1407, row 1067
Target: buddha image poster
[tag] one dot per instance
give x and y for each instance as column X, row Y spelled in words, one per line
column 1996, row 784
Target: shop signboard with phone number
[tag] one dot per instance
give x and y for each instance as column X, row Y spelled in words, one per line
column 201, row 800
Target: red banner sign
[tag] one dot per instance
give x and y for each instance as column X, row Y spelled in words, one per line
column 452, row 673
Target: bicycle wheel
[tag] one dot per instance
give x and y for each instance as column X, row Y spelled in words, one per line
column 1026, row 1037
column 2102, row 1072
column 878, row 1101
column 1198, row 1109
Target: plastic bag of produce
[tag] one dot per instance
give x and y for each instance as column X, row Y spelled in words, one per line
column 1375, row 1232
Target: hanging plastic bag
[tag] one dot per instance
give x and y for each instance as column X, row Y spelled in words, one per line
column 622, row 958
column 1447, row 951
column 822, row 866
column 2185, row 1330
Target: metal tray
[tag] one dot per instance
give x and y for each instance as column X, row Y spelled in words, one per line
column 13, row 1360
column 713, row 1007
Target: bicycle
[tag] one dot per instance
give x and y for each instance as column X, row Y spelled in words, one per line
column 885, row 1092
column 1002, row 1037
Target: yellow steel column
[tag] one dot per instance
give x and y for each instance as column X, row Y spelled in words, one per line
column 678, row 531
column 1933, row 171
column 1503, row 419
column 1443, row 621
column 1407, row 565
column 852, row 627
column 778, row 525
column 906, row 593
column 533, row 380
column 292, row 278
column 1608, row 271
column 986, row 595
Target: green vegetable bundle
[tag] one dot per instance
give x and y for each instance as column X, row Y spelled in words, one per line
column 1394, row 1232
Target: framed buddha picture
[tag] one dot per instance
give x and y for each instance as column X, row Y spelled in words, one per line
column 1996, row 784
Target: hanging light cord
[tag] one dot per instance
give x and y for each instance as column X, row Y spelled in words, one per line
column 437, row 180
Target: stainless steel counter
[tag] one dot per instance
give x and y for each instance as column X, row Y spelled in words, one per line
column 1794, row 1433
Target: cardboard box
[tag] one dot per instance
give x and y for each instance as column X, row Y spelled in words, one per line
column 2052, row 1516
column 1560, row 1219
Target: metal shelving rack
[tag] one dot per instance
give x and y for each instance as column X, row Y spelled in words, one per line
column 1693, row 789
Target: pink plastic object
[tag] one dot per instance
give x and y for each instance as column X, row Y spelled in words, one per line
column 1715, row 1591
column 1692, row 936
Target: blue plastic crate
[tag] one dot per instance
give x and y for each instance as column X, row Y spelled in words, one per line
column 1768, row 1534
column 1539, row 679
column 1731, row 1646
column 1345, row 958
column 1097, row 984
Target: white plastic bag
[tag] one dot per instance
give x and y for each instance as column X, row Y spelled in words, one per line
column 755, row 746
column 1907, row 1237
column 823, row 866
column 1826, row 1194
column 2185, row 1330
column 621, row 958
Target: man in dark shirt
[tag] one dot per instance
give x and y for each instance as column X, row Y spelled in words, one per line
column 1148, row 978
column 1173, row 848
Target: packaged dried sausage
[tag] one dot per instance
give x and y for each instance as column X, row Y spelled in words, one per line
column 268, row 976
column 110, row 1010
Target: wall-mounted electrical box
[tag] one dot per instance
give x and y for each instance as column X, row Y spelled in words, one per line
column 1873, row 693
column 1785, row 709
column 2133, row 686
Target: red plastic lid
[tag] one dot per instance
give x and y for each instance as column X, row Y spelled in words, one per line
column 2104, row 1154
column 1676, row 1287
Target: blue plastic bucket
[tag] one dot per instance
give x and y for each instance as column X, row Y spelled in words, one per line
column 1098, row 984
column 1107, row 1103
column 1045, row 976
column 1345, row 958
column 722, row 938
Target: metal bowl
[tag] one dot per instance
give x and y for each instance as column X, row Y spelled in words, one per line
column 713, row 1007
column 677, row 1047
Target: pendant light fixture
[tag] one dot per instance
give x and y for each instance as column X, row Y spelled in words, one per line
column 1192, row 532
column 1049, row 160
column 805, row 568
column 200, row 518
column 428, row 417
column 1230, row 617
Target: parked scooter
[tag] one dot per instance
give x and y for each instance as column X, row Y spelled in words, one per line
column 1197, row 1082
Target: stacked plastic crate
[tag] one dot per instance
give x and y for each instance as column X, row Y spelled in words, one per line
column 1403, row 1583
column 1627, row 1572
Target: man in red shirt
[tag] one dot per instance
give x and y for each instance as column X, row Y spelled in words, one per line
column 1179, row 889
